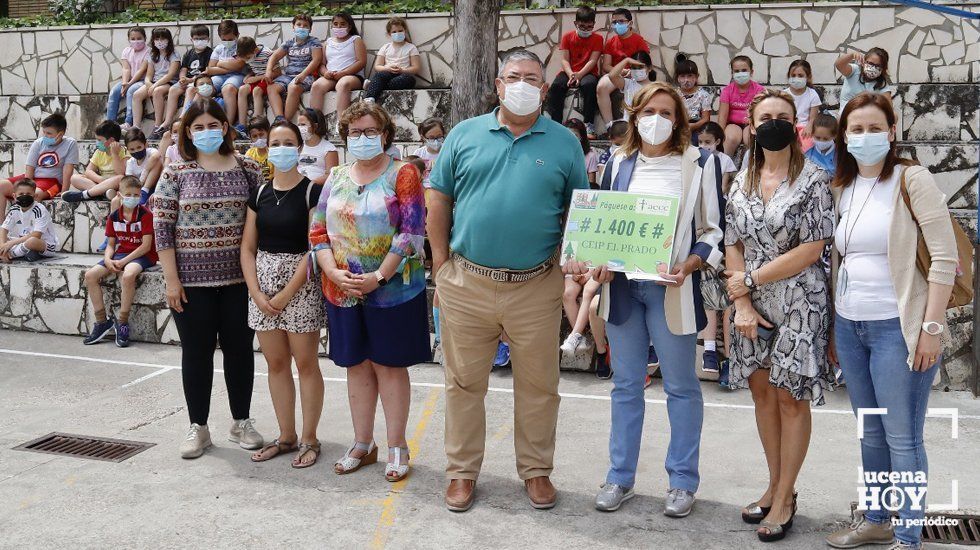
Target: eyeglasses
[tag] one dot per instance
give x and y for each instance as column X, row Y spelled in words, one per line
column 532, row 79
column 369, row 132
column 585, row 26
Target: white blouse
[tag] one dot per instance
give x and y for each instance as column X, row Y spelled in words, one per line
column 657, row 175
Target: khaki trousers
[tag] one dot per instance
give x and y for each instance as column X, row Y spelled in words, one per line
column 474, row 312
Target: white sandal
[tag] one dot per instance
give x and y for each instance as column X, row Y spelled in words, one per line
column 397, row 471
column 349, row 464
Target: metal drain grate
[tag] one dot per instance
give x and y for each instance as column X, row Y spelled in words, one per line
column 83, row 446
column 965, row 531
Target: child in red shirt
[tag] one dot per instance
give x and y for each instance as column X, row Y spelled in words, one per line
column 580, row 51
column 130, row 252
column 623, row 44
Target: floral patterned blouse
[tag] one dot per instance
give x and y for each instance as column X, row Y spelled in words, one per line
column 362, row 224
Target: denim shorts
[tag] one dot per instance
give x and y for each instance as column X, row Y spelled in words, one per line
column 231, row 79
column 142, row 261
column 285, row 81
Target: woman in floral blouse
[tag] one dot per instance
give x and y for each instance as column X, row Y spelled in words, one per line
column 367, row 233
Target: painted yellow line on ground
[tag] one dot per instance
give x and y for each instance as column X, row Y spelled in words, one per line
column 387, row 519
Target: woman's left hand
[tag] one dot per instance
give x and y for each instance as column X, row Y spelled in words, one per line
column 279, row 301
column 366, row 283
column 736, row 284
column 927, row 351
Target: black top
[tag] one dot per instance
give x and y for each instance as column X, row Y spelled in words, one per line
column 195, row 62
column 284, row 227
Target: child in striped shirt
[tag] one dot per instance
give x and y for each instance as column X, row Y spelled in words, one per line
column 256, row 57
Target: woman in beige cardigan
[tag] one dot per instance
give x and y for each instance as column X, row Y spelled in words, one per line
column 889, row 318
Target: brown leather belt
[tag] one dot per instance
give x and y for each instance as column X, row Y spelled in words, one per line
column 505, row 275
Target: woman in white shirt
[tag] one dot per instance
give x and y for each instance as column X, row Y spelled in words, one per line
column 889, row 315
column 345, row 56
column 657, row 157
column 397, row 63
column 318, row 155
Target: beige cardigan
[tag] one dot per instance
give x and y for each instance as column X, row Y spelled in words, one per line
column 929, row 204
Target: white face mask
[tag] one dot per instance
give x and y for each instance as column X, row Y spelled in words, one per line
column 200, row 44
column 655, row 129
column 304, row 131
column 823, row 146
column 797, row 82
column 639, row 75
column 521, row 98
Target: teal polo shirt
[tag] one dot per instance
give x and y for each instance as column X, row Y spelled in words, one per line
column 510, row 195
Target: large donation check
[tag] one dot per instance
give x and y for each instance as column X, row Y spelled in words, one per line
column 629, row 232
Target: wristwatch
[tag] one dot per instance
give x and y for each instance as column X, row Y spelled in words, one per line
column 749, row 281
column 933, row 328
column 381, row 278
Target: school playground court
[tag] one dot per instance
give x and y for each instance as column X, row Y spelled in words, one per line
column 155, row 499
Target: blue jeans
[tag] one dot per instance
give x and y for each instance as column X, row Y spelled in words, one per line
column 115, row 96
column 629, row 344
column 873, row 356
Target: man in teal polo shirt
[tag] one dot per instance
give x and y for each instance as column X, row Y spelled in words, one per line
column 501, row 188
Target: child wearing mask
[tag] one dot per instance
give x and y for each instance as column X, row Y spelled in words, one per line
column 259, row 73
column 710, row 139
column 227, row 72
column 696, row 99
column 205, row 88
column 807, row 101
column 50, row 163
column 304, row 55
column 396, row 64
column 133, row 72
column 144, row 163
column 105, row 167
column 623, row 43
column 129, row 253
column 591, row 159
column 318, row 155
column 345, row 56
column 168, row 144
column 580, row 50
column 631, row 74
column 433, row 135
column 194, row 62
column 258, row 133
column 863, row 72
column 161, row 68
column 617, row 135
column 734, row 104
column 27, row 231
column 823, row 153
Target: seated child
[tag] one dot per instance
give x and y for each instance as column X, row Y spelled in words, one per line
column 51, row 162
column 194, row 62
column 433, row 135
column 734, row 104
column 396, row 63
column 130, row 252
column 807, row 100
column 258, row 134
column 304, row 55
column 631, row 74
column 168, row 144
column 577, row 286
column 696, row 99
column 256, row 57
column 823, row 153
column 145, row 163
column 205, row 88
column 226, row 70
column 27, row 231
column 105, row 168
column 617, row 135
column 591, row 159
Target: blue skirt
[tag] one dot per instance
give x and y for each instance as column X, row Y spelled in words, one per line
column 396, row 336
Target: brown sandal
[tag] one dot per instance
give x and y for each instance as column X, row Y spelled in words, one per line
column 307, row 448
column 280, row 448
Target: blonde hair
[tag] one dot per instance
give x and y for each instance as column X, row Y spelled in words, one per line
column 680, row 139
column 756, row 157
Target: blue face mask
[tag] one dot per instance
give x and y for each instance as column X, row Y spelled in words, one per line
column 868, row 149
column 101, row 146
column 131, row 202
column 301, row 33
column 208, row 141
column 364, row 148
column 284, row 158
column 397, row 37
column 48, row 141
column 621, row 28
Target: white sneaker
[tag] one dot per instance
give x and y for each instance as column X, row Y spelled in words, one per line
column 572, row 343
column 198, row 439
column 243, row 432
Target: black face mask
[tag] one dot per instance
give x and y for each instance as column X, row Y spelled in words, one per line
column 139, row 155
column 775, row 134
column 24, row 201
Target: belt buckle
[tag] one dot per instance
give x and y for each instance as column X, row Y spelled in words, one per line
column 498, row 276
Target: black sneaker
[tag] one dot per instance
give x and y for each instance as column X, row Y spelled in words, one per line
column 100, row 331
column 600, row 361
column 33, row 256
column 723, row 370
column 709, row 361
column 122, row 334
column 72, row 196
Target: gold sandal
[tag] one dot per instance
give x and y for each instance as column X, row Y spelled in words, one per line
column 307, row 448
column 279, row 446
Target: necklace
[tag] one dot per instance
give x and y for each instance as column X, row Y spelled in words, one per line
column 278, row 198
column 848, row 231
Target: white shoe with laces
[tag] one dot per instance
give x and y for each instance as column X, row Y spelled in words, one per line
column 572, row 344
column 244, row 433
column 197, row 441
